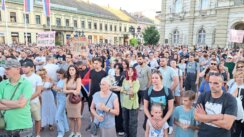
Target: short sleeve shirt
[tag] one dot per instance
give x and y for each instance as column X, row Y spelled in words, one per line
column 226, row 104
column 161, row 96
column 143, row 74
column 192, row 67
column 17, row 118
column 168, row 74
column 96, row 78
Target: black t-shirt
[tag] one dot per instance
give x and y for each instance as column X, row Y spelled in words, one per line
column 96, row 78
column 61, row 57
column 82, row 73
column 226, row 104
column 159, row 97
column 241, row 94
column 119, row 80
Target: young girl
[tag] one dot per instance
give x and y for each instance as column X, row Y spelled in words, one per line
column 157, row 114
column 184, row 116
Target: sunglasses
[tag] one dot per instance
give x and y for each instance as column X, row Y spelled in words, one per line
column 214, row 64
column 214, row 74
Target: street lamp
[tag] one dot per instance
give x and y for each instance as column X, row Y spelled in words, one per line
column 138, row 29
column 132, row 30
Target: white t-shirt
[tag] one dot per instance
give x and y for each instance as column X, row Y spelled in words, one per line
column 40, row 59
column 2, row 71
column 36, row 81
column 52, row 71
column 157, row 133
column 153, row 64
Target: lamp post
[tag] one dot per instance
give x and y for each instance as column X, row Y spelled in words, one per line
column 132, row 30
column 138, row 34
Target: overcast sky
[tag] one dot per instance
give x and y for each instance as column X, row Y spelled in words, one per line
column 148, row 7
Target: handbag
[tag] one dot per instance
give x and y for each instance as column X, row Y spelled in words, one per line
column 94, row 127
column 2, row 121
column 74, row 99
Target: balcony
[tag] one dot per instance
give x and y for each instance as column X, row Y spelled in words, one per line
column 58, row 28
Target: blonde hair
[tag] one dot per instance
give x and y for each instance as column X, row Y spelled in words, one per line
column 238, row 73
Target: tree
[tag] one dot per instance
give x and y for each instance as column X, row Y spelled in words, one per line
column 151, row 36
column 133, row 42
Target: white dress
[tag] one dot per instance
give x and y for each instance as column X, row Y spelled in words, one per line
column 48, row 107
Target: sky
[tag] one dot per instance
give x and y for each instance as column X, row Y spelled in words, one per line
column 147, row 7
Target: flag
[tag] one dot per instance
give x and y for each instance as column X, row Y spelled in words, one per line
column 46, row 7
column 85, row 82
column 3, row 5
column 28, row 5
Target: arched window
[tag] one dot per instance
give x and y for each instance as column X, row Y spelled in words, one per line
column 178, row 6
column 176, row 37
column 201, row 36
column 204, row 4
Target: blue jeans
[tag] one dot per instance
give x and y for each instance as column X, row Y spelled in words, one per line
column 130, row 122
column 61, row 118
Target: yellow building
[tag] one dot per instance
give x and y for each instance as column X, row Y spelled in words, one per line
column 69, row 18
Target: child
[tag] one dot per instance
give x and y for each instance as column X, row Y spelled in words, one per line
column 157, row 114
column 184, row 116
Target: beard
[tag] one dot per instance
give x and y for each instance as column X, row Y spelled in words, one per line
column 140, row 63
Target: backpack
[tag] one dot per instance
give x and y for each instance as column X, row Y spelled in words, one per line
column 240, row 111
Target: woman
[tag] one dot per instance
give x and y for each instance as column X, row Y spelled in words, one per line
column 72, row 85
column 158, row 94
column 48, row 109
column 61, row 118
column 126, row 65
column 116, row 87
column 224, row 71
column 129, row 102
column 104, row 107
column 238, row 126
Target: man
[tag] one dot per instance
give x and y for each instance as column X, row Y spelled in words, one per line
column 17, row 114
column 144, row 77
column 51, row 68
column 153, row 63
column 28, row 70
column 170, row 80
column 24, row 57
column 40, row 60
column 192, row 74
column 67, row 63
column 216, row 110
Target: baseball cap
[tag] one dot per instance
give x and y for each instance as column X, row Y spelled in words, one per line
column 12, row 63
column 28, row 64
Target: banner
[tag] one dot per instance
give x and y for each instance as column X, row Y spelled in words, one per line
column 3, row 5
column 28, row 5
column 236, row 36
column 79, row 45
column 46, row 7
column 46, row 39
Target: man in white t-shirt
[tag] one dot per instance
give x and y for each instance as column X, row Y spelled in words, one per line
column 40, row 60
column 51, row 68
column 28, row 70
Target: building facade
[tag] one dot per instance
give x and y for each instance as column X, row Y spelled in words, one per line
column 69, row 19
column 200, row 22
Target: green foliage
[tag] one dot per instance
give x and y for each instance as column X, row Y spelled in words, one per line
column 133, row 42
column 58, row 43
column 151, row 36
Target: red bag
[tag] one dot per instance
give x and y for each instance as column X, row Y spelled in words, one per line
column 74, row 99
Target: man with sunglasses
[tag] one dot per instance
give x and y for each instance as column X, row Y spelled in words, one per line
column 216, row 110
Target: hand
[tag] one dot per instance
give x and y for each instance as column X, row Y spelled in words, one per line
column 102, row 107
column 21, row 100
column 184, row 126
column 100, row 118
column 200, row 109
column 220, row 117
column 197, row 82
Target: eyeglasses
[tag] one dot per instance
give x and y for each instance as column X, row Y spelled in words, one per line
column 240, row 67
column 214, row 64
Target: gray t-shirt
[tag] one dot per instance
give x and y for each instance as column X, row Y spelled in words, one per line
column 226, row 104
column 143, row 74
column 192, row 67
column 168, row 74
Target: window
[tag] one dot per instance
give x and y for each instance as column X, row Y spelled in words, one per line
column 101, row 26
column 201, row 36
column 13, row 17
column 115, row 28
column 48, row 21
column 176, row 37
column 58, row 21
column 67, row 22
column 203, row 4
column 75, row 23
column 89, row 25
column 83, row 25
column 111, row 27
column 95, row 26
column 38, row 19
column 125, row 29
column 26, row 16
column 120, row 28
column 106, row 27
column 178, row 6
column 0, row 16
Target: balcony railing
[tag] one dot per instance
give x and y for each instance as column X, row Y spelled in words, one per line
column 58, row 28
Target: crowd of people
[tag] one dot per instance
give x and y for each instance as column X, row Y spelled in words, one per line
column 191, row 91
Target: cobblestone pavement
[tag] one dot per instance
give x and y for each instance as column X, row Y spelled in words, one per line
column 85, row 122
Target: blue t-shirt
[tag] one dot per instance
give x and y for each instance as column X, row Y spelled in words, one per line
column 184, row 117
column 109, row 119
column 204, row 87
